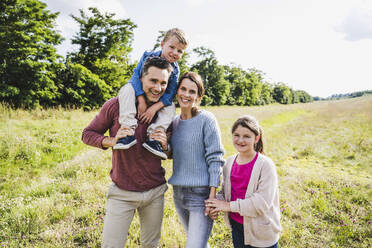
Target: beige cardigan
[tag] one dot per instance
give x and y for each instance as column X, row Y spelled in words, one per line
column 260, row 208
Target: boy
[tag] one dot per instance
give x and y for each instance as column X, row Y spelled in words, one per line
column 172, row 47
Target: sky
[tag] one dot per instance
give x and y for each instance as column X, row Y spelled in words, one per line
column 321, row 46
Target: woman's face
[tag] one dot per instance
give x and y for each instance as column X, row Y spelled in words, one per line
column 187, row 94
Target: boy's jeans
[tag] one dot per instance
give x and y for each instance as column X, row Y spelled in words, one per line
column 189, row 203
column 128, row 111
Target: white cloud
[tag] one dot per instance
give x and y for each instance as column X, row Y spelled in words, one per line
column 293, row 41
column 68, row 26
column 357, row 25
column 199, row 2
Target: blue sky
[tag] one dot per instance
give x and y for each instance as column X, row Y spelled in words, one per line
column 321, row 46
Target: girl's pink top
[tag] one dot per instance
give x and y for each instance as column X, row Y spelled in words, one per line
column 240, row 176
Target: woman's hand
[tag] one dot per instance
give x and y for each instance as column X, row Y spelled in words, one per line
column 218, row 205
column 213, row 214
column 212, row 195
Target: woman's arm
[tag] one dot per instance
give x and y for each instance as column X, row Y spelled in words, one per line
column 214, row 150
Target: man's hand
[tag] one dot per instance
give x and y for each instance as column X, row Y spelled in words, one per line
column 160, row 136
column 122, row 132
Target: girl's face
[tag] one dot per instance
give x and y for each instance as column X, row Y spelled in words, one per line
column 244, row 139
column 187, row 94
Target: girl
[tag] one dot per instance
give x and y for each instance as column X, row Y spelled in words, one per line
column 197, row 160
column 250, row 190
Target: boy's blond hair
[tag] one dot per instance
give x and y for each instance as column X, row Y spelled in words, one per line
column 178, row 33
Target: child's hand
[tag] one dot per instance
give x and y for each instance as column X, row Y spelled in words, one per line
column 142, row 106
column 218, row 205
column 148, row 115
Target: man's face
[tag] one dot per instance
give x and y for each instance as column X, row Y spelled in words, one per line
column 154, row 83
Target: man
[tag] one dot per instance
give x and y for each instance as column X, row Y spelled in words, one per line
column 137, row 176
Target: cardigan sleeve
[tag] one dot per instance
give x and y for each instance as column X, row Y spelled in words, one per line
column 263, row 196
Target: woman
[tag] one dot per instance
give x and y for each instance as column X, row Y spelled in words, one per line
column 197, row 160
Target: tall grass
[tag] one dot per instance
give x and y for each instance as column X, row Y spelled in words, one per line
column 53, row 187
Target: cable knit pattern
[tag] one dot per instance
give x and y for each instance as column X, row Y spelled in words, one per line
column 197, row 151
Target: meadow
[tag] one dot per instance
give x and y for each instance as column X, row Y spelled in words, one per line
column 53, row 187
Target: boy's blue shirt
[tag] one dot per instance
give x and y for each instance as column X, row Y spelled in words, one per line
column 171, row 90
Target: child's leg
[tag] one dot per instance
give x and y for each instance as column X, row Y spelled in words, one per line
column 127, row 115
column 127, row 106
column 165, row 118
column 237, row 233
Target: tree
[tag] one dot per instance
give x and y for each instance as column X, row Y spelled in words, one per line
column 104, row 47
column 282, row 93
column 82, row 88
column 28, row 57
column 217, row 88
column 238, row 85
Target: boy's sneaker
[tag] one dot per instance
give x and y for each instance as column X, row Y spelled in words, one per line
column 155, row 147
column 125, row 143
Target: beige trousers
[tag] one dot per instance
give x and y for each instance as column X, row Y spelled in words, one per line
column 128, row 111
column 120, row 208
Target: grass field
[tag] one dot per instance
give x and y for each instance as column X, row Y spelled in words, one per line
column 53, row 187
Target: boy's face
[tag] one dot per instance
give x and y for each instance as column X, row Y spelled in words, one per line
column 172, row 49
column 154, row 83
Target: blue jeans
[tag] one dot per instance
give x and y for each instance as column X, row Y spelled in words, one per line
column 189, row 203
column 238, row 236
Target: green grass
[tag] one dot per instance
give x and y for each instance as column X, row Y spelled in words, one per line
column 53, row 187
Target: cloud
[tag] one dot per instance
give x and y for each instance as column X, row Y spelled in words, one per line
column 357, row 25
column 68, row 26
column 196, row 3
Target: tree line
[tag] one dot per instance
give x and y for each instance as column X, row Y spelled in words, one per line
column 343, row 96
column 33, row 74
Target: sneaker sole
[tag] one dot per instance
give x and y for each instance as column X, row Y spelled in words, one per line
column 120, row 146
column 157, row 153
